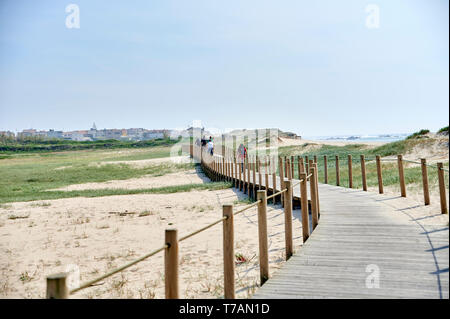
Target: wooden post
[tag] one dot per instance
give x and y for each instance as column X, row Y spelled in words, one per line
column 315, row 158
column 317, row 188
column 288, row 219
column 228, row 252
column 239, row 170
column 306, row 165
column 363, row 173
column 288, row 169
column 248, row 178
column 442, row 191
column 254, row 177
column 235, row 165
column 229, row 173
column 281, row 173
column 274, row 178
column 380, row 174
column 227, row 178
column 338, row 177
column 313, row 190
column 236, row 174
column 266, row 173
column 302, row 166
column 401, row 175
column 171, row 264
column 259, row 174
column 325, row 169
column 262, row 233
column 304, row 206
column 426, row 191
column 231, row 170
column 292, row 167
column 224, row 169
column 242, row 170
column 57, row 286
column 223, row 145
column 350, row 171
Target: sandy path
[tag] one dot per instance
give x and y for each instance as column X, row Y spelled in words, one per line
column 91, row 233
column 179, row 178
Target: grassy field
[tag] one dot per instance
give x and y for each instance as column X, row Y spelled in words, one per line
column 29, row 176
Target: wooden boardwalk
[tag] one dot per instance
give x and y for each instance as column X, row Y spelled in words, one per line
column 360, row 236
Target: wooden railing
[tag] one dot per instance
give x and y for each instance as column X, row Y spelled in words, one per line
column 227, row 167
column 439, row 167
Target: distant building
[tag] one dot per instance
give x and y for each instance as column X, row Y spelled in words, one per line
column 80, row 136
column 54, row 134
column 7, row 134
column 153, row 135
column 135, row 134
column 27, row 133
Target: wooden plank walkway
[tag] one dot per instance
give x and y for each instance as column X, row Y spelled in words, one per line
column 359, row 234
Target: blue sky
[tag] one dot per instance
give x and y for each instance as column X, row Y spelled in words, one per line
column 312, row 67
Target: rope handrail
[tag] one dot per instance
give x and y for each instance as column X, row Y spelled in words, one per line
column 298, row 183
column 93, row 281
column 202, row 229
column 276, row 194
column 248, row 207
column 301, row 180
column 113, row 272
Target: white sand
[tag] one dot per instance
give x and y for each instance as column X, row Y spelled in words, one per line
column 174, row 179
column 90, row 233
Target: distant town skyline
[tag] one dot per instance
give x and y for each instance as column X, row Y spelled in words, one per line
column 313, row 68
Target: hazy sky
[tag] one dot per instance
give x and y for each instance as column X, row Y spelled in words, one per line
column 312, row 67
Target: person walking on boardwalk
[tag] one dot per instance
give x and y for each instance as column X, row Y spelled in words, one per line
column 210, row 146
column 242, row 153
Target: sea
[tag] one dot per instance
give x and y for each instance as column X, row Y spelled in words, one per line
column 361, row 138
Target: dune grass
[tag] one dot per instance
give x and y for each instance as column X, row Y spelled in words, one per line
column 46, row 195
column 28, row 176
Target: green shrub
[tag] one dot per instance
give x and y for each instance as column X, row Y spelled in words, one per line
column 443, row 131
column 419, row 134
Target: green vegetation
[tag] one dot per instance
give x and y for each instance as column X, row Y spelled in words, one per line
column 29, row 176
column 23, row 182
column 110, row 192
column 394, row 148
column 419, row 134
column 9, row 145
column 243, row 201
column 444, row 130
